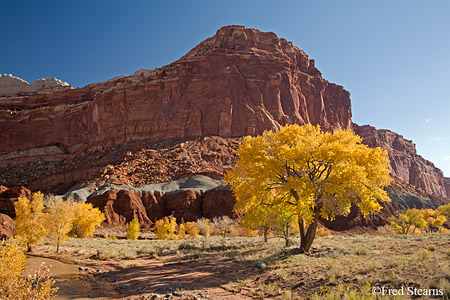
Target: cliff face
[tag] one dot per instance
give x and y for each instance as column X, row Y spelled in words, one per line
column 239, row 82
column 406, row 164
column 184, row 119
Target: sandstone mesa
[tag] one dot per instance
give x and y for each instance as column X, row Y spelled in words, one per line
column 186, row 119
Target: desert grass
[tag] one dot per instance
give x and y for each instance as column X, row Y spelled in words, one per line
column 338, row 266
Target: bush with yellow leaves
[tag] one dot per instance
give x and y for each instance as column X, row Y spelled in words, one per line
column 14, row 287
column 192, row 230
column 133, row 229
column 86, row 219
column 165, row 228
column 206, row 227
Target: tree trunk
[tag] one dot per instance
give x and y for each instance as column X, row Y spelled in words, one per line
column 286, row 236
column 307, row 239
column 266, row 231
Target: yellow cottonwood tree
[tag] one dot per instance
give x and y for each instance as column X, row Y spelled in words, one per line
column 192, row 230
column 15, row 287
column 312, row 173
column 165, row 228
column 133, row 229
column 404, row 221
column 30, row 225
column 86, row 219
column 59, row 219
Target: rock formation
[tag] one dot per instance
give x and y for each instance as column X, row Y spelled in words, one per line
column 406, row 164
column 121, row 206
column 8, row 196
column 447, row 185
column 241, row 81
column 12, row 86
column 6, row 227
column 185, row 119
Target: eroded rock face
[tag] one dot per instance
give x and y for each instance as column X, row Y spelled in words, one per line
column 405, row 164
column 12, row 86
column 188, row 205
column 447, row 185
column 6, row 226
column 9, row 196
column 240, row 81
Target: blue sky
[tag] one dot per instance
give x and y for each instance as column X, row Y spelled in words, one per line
column 393, row 56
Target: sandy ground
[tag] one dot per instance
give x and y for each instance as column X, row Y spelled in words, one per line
column 169, row 278
column 73, row 284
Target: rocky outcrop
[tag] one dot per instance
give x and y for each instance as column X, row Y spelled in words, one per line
column 9, row 196
column 447, row 185
column 121, row 206
column 184, row 119
column 240, row 81
column 12, row 86
column 405, row 164
column 6, row 226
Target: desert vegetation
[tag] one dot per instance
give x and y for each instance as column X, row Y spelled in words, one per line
column 284, row 182
column 55, row 218
column 421, row 220
column 305, row 172
column 13, row 286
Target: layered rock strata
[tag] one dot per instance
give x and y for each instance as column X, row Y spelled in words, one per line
column 405, row 164
column 240, row 81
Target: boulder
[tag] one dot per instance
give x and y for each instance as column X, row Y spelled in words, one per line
column 6, row 226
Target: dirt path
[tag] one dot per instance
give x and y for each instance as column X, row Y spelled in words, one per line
column 169, row 277
column 73, row 283
column 179, row 278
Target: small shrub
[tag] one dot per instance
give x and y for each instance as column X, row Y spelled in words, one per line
column 361, row 252
column 182, row 232
column 192, row 230
column 323, row 231
column 165, row 228
column 431, row 248
column 205, row 226
column 14, row 287
column 223, row 225
column 423, row 255
column 444, row 286
column 133, row 229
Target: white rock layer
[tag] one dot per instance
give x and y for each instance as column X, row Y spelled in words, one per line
column 11, row 85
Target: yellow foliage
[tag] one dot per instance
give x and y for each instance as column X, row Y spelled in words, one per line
column 439, row 221
column 86, row 219
column 13, row 286
column 192, row 230
column 29, row 219
column 165, row 228
column 444, row 210
column 182, row 231
column 310, row 172
column 323, row 231
column 133, row 229
column 411, row 218
column 59, row 219
column 206, row 227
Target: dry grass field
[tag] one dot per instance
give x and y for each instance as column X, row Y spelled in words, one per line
column 338, row 267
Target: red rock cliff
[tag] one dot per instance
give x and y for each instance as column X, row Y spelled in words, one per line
column 406, row 164
column 240, row 81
